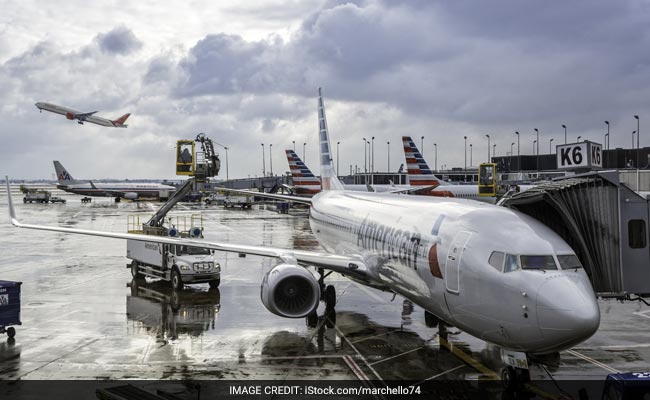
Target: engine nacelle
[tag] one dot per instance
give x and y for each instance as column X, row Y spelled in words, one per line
column 290, row 291
column 69, row 115
column 130, row 196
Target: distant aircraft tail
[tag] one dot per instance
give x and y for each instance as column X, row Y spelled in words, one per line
column 121, row 120
column 304, row 181
column 418, row 171
column 62, row 175
column 329, row 180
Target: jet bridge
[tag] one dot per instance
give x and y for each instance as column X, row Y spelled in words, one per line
column 603, row 220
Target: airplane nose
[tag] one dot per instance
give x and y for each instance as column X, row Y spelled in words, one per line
column 567, row 311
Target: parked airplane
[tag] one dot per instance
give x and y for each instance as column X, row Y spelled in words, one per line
column 305, row 183
column 83, row 117
column 129, row 191
column 493, row 272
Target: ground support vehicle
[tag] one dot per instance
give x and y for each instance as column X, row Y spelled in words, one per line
column 9, row 307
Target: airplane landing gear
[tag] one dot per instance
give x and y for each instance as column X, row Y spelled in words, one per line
column 512, row 377
column 328, row 296
column 430, row 320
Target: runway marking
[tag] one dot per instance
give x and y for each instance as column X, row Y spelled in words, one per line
column 595, row 362
column 643, row 314
column 359, row 354
column 372, row 337
column 441, row 374
column 467, row 359
column 395, row 356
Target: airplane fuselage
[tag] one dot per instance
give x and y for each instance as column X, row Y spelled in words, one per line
column 435, row 252
column 109, row 189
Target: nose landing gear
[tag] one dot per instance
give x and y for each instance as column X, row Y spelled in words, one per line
column 512, row 377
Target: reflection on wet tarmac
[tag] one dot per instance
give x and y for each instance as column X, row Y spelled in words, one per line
column 166, row 313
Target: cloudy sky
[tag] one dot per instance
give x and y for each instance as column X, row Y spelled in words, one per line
column 247, row 73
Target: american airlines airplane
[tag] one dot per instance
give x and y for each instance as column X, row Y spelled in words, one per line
column 493, row 272
column 305, row 183
column 129, row 191
column 83, row 117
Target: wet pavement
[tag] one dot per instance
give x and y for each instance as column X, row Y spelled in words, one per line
column 83, row 318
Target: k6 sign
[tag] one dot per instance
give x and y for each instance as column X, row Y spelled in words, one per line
column 579, row 155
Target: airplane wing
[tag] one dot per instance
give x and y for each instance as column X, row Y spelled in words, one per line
column 295, row 199
column 415, row 189
column 85, row 115
column 353, row 266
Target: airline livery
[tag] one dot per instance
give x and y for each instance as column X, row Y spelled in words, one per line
column 83, row 117
column 493, row 272
column 129, row 191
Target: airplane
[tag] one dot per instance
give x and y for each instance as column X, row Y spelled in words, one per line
column 493, row 272
column 83, row 117
column 129, row 191
column 305, row 183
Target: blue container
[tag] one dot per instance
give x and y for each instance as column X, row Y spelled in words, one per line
column 9, row 306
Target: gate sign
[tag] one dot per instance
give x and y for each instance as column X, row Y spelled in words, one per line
column 583, row 155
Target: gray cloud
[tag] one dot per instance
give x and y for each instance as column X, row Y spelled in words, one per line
column 120, row 40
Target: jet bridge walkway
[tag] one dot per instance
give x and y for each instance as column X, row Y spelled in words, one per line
column 605, row 223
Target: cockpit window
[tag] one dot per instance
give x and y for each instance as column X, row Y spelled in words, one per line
column 569, row 261
column 538, row 262
column 512, row 263
column 496, row 260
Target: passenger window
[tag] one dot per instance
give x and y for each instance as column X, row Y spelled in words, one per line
column 569, row 261
column 538, row 262
column 496, row 260
column 512, row 263
column 636, row 233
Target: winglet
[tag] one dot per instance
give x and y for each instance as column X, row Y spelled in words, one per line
column 12, row 211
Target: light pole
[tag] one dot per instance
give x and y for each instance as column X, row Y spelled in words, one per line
column 465, row 137
column 511, row 146
column 294, row 145
column 337, row 157
column 435, row 146
column 564, row 126
column 263, row 162
column 488, row 136
column 633, row 132
column 494, row 150
column 470, row 155
column 607, row 135
column 638, row 134
column 537, row 141
column 579, row 137
column 271, row 157
column 304, row 158
column 550, row 142
column 422, row 145
column 518, row 156
column 365, row 156
column 372, row 154
column 388, row 154
column 534, row 141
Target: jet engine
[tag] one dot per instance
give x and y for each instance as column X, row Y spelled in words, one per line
column 130, row 196
column 290, row 291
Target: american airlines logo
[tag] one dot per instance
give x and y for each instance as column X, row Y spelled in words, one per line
column 64, row 176
column 395, row 244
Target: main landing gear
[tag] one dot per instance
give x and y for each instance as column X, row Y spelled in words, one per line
column 328, row 295
column 513, row 377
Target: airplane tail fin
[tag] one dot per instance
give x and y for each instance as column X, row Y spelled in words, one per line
column 419, row 172
column 303, row 179
column 62, row 175
column 121, row 120
column 329, row 180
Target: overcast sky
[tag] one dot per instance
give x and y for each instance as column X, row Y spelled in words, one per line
column 248, row 74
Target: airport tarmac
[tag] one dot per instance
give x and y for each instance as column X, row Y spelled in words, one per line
column 83, row 318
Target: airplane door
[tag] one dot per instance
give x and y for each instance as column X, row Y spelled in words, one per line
column 452, row 270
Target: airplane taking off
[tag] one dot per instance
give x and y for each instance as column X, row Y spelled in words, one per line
column 83, row 117
column 129, row 191
column 493, row 272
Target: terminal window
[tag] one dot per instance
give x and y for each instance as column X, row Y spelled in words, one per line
column 636, row 233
